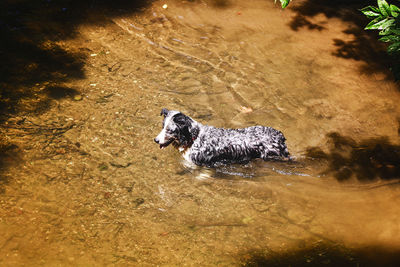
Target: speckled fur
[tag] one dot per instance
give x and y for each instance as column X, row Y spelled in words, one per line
column 210, row 146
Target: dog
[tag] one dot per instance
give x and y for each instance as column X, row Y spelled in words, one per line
column 210, row 146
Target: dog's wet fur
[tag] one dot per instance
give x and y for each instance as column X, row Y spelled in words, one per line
column 210, row 146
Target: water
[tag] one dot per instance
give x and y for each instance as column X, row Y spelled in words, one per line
column 102, row 193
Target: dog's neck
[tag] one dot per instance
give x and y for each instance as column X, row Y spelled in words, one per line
column 195, row 132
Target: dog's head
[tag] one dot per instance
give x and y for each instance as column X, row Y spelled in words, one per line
column 178, row 129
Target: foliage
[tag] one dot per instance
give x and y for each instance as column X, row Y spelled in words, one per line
column 284, row 3
column 386, row 19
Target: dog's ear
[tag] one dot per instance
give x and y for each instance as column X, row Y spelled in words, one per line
column 194, row 131
column 164, row 112
column 188, row 132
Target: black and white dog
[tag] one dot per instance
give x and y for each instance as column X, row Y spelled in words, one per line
column 210, row 146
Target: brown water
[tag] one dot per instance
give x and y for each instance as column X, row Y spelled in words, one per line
column 84, row 184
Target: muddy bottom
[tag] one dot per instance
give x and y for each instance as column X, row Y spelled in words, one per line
column 83, row 183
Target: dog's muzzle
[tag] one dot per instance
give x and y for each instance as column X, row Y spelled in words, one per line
column 163, row 145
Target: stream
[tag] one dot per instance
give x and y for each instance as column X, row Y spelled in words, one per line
column 103, row 193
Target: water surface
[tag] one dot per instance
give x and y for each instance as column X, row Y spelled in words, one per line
column 102, row 193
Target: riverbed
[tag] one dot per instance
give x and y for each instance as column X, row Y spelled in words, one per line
column 84, row 184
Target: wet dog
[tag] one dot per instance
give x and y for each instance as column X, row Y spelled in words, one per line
column 210, row 146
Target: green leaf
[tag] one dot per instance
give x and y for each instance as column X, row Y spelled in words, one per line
column 394, row 48
column 386, row 31
column 380, row 25
column 396, row 31
column 384, row 8
column 371, row 11
column 394, row 10
column 284, row 3
column 370, row 14
column 373, row 22
column 390, row 38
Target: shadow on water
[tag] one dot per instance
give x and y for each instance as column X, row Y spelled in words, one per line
column 32, row 59
column 359, row 45
column 9, row 155
column 34, row 66
column 322, row 254
column 367, row 160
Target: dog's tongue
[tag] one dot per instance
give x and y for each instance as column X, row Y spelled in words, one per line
column 162, row 147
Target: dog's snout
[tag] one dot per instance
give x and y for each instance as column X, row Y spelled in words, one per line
column 156, row 140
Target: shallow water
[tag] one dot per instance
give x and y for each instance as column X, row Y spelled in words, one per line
column 111, row 197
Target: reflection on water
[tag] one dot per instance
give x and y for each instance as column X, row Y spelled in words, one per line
column 91, row 188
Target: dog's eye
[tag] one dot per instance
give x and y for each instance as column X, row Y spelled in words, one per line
column 172, row 130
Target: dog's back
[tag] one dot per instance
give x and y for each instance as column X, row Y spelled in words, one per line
column 218, row 145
